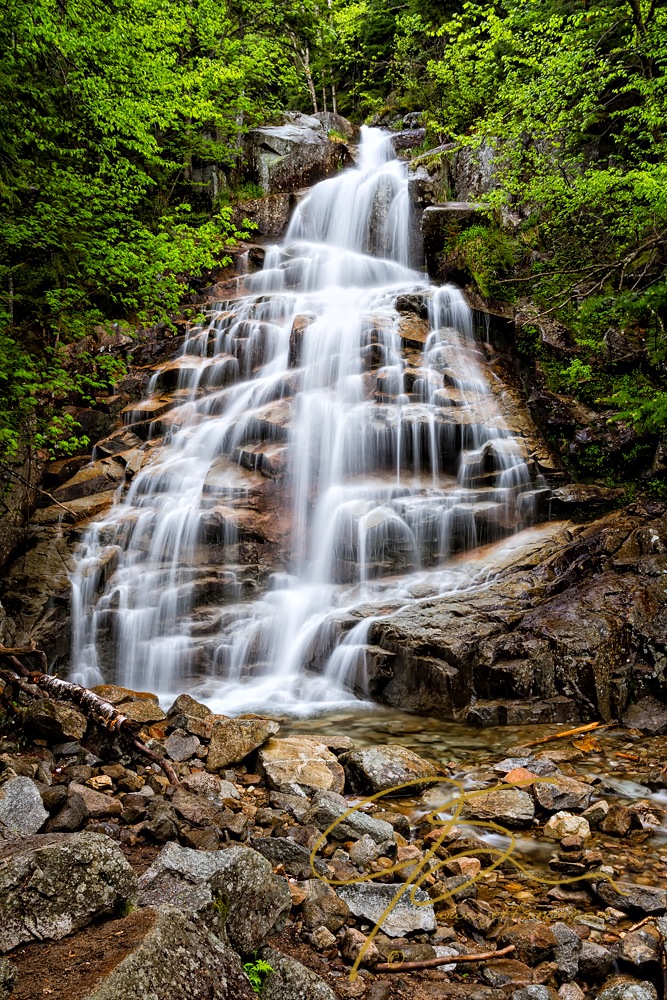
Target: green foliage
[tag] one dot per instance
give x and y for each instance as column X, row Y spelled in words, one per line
column 257, row 971
column 486, row 253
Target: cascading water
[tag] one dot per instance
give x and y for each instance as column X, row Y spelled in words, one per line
column 344, row 376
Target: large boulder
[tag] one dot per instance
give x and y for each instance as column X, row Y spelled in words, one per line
column 299, row 153
column 21, row 810
column 234, row 890
column 300, row 764
column 54, row 884
column 290, row 980
column 378, row 769
column 507, row 806
column 233, row 739
column 169, row 954
column 55, row 720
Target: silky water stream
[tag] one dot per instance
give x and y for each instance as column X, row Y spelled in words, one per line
column 339, row 407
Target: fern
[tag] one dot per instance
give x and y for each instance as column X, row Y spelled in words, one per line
column 257, row 972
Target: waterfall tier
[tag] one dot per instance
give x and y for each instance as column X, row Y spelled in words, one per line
column 324, row 446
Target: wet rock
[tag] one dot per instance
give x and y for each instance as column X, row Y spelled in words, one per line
column 294, row 155
column 181, row 746
column 534, row 941
column 322, row 907
column 534, row 993
column 371, row 900
column 566, row 952
column 564, row 824
column 292, row 981
column 596, row 812
column 507, row 972
column 563, row 794
column 626, row 988
column 541, row 766
column 233, row 739
column 377, row 769
column 235, row 888
column 511, row 807
column 72, row 817
column 641, row 946
column 295, row 858
column 327, row 808
column 595, row 962
column 172, row 955
column 617, row 821
column 649, row 715
column 22, row 812
column 54, row 720
column 297, row 763
column 479, row 915
column 53, row 884
column 352, row 944
column 632, row 898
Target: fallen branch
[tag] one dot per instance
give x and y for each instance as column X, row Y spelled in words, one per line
column 433, row 963
column 561, row 736
column 102, row 712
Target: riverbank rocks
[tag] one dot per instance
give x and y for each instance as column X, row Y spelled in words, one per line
column 626, row 988
column 233, row 739
column 507, row 806
column 564, row 824
column 649, row 715
column 297, row 764
column 171, row 954
column 328, row 808
column 411, row 911
column 234, row 889
column 559, row 793
column 321, row 906
column 53, row 884
column 21, row 810
column 378, row 769
column 55, row 720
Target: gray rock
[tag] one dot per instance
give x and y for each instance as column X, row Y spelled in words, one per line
column 327, row 808
column 210, row 785
column 294, row 857
column 510, row 806
column 322, row 906
column 292, row 981
column 72, row 817
column 567, row 951
column 563, row 794
column 597, row 812
column 186, row 705
column 631, row 897
column 181, row 745
column 7, row 978
column 364, row 850
column 369, row 901
column 235, row 889
column 173, row 955
column 649, row 715
column 595, row 962
column 54, row 884
column 297, row 154
column 380, row 768
column 533, row 993
column 626, row 988
column 22, row 812
column 570, row 991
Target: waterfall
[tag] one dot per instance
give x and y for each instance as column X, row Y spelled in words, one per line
column 341, row 382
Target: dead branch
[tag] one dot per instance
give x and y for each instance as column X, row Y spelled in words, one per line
column 102, row 712
column 433, row 963
column 11, row 472
column 567, row 732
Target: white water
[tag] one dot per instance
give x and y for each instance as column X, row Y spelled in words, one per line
column 396, row 458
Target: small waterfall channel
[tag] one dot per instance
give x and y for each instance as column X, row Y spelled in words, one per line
column 339, row 406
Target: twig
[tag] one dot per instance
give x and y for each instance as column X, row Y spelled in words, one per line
column 561, row 736
column 433, row 963
column 38, row 489
column 635, row 927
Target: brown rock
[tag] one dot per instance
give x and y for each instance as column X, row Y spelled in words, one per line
column 534, row 941
column 297, row 761
column 233, row 739
column 56, row 721
column 352, row 944
column 98, row 805
column 617, row 821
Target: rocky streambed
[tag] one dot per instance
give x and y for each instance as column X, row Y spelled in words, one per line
column 116, row 882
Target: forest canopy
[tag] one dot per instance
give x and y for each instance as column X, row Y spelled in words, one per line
column 111, row 113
